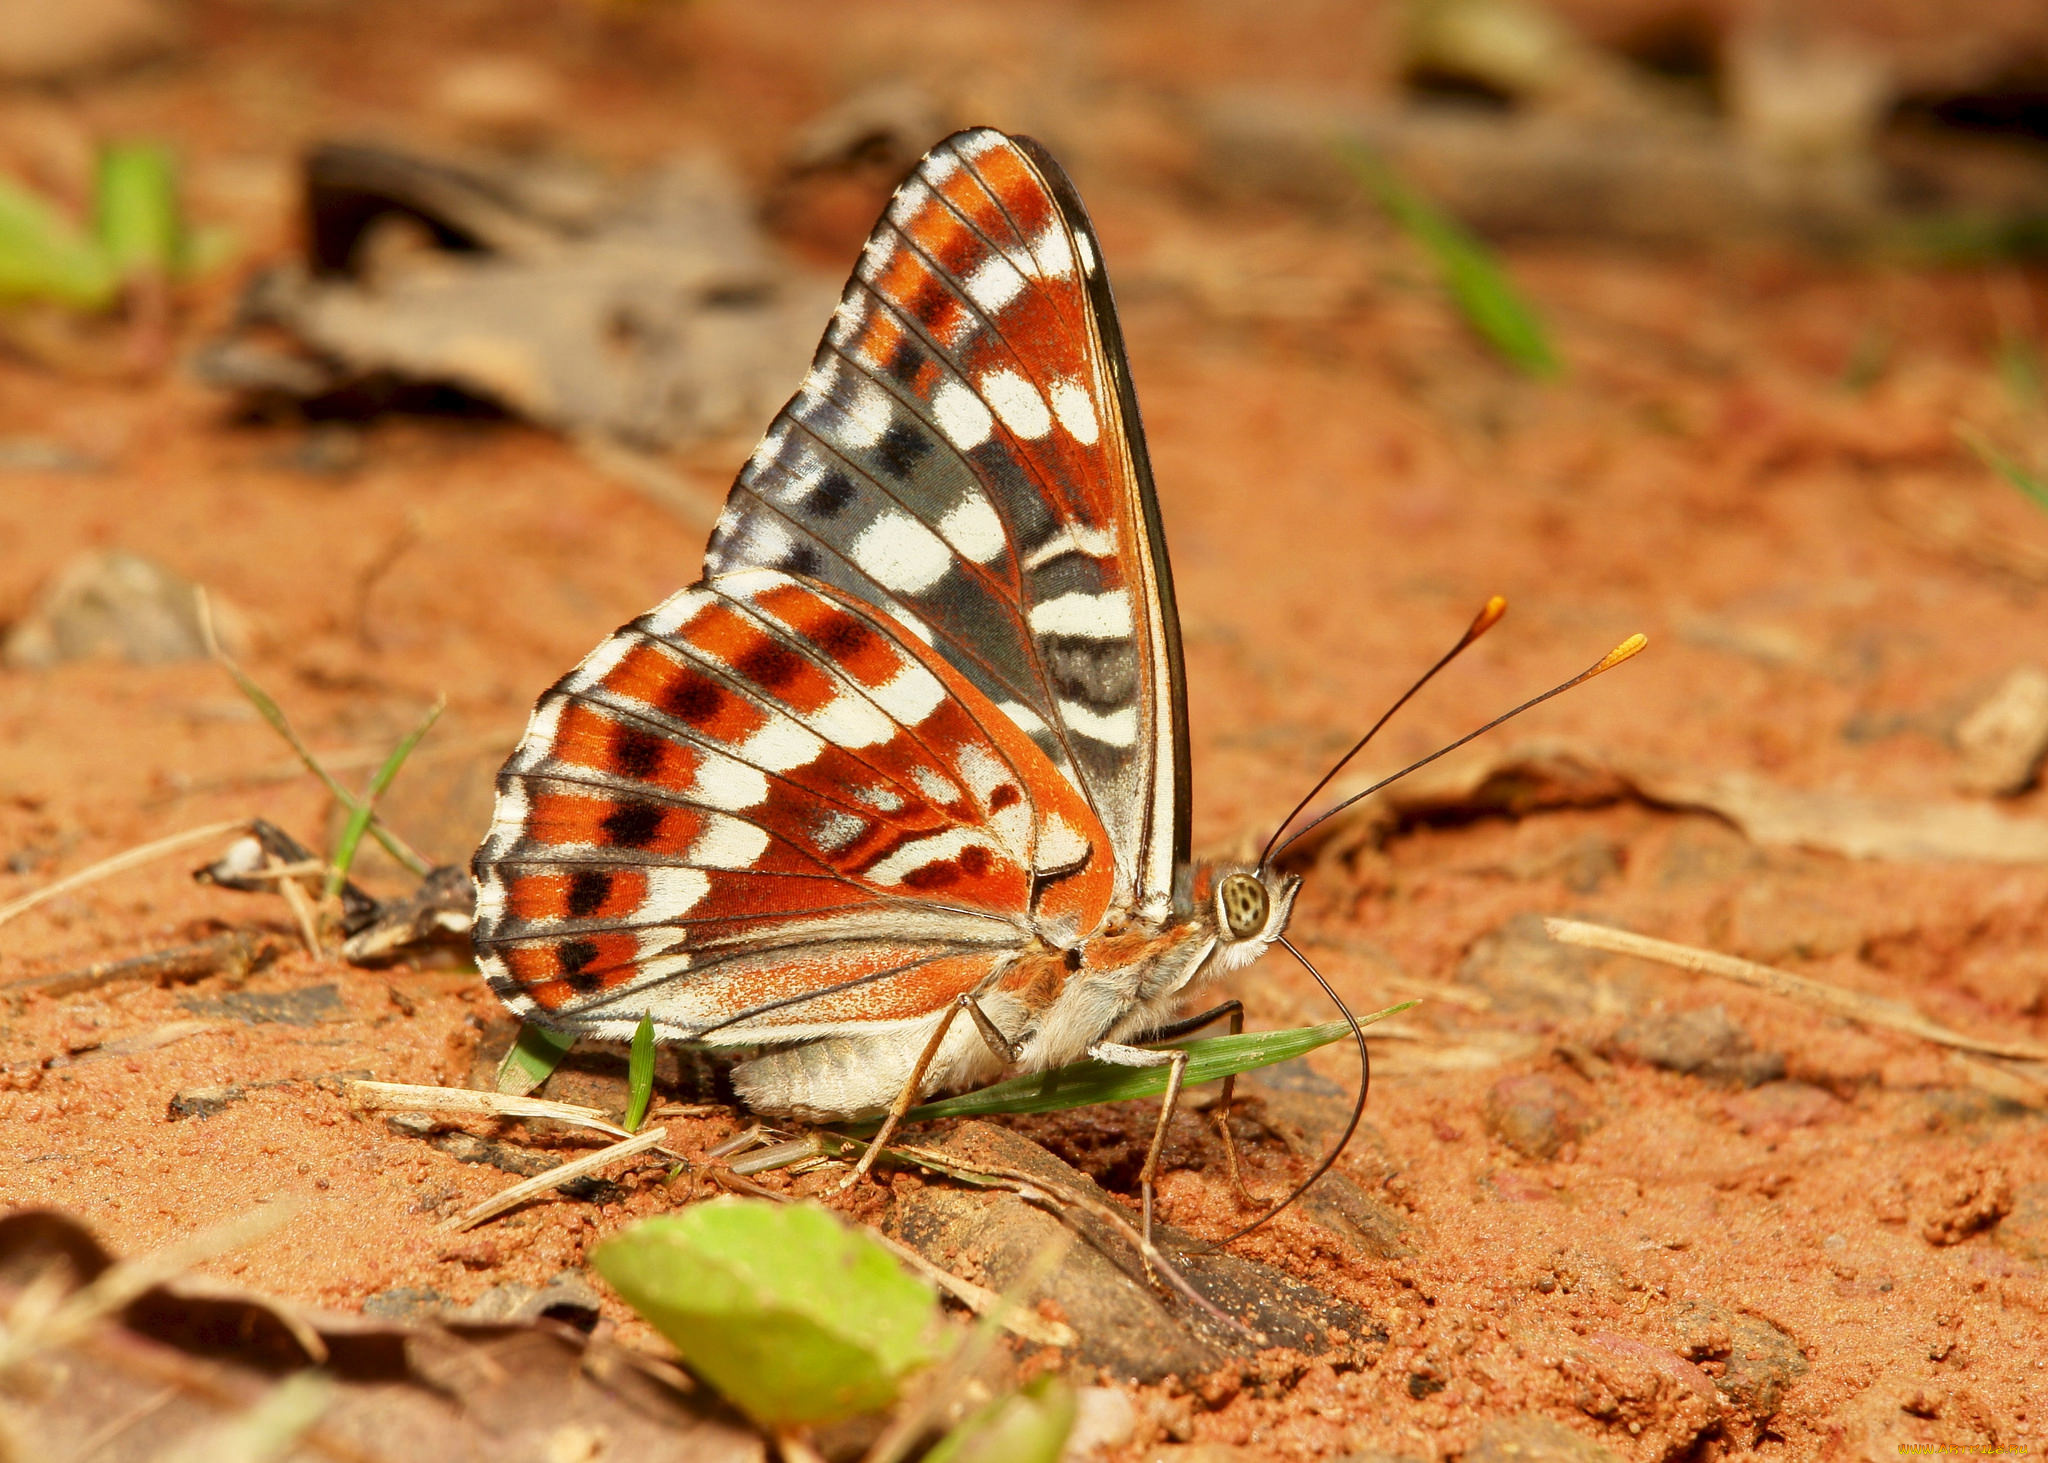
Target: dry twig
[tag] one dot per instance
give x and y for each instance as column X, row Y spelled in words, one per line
column 133, row 858
column 408, row 1097
column 235, row 953
column 1870, row 1010
column 554, row 1178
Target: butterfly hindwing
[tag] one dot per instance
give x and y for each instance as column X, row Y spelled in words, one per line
column 966, row 455
column 766, row 807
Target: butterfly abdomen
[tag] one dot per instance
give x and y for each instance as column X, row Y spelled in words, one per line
column 859, row 1075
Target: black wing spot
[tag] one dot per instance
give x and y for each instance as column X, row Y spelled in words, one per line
column 901, row 447
column 588, row 890
column 842, row 637
column 635, row 754
column 830, row 497
column 802, row 559
column 906, row 360
column 770, row 664
column 693, row 698
column 631, row 825
column 574, row 956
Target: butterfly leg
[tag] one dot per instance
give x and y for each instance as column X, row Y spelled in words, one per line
column 907, row 1098
column 1138, row 1056
column 1234, row 1010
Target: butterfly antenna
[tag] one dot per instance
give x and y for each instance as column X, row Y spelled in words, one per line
column 1357, row 1108
column 1608, row 662
column 1485, row 620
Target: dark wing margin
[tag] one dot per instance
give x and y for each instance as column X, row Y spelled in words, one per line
column 1177, row 802
column 967, row 456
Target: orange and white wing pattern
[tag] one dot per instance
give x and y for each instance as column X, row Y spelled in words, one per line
column 922, row 721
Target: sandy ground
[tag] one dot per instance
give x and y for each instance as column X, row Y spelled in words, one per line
column 1833, row 1209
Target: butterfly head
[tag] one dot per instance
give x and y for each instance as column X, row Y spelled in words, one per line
column 1251, row 908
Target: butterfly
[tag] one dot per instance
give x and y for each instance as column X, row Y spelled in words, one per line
column 916, row 745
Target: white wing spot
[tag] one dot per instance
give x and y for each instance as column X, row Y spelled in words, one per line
column 508, row 819
column 656, row 957
column 1096, row 543
column 723, row 783
column 852, row 721
column 835, row 830
column 881, row 799
column 673, row 893
column 995, row 284
column 1023, row 717
column 911, row 200
column 1054, row 254
column 910, row 695
column 923, row 851
column 933, row 786
column 1105, row 616
column 1075, row 408
column 490, row 899
column 868, row 415
column 901, row 553
column 1017, row 402
column 538, row 744
column 768, row 450
column 979, row 141
column 981, row 771
column 601, row 661
column 972, row 527
column 1114, row 729
column 768, row 539
column 781, row 745
column 1060, row 845
column 962, row 416
column 846, row 319
column 1086, row 249
column 727, row 843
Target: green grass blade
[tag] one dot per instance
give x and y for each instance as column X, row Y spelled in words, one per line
column 272, row 713
column 43, row 256
column 135, row 209
column 533, row 1058
column 2013, row 472
column 640, row 1075
column 360, row 816
column 1086, row 1083
column 1477, row 283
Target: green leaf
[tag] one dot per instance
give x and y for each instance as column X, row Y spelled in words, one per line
column 640, row 1075
column 1030, row 1426
column 43, row 256
column 535, row 1054
column 360, row 815
column 1475, row 280
column 2013, row 472
column 793, row 1316
column 135, row 209
column 1086, row 1083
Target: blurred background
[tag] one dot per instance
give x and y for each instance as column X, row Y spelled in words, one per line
column 427, row 337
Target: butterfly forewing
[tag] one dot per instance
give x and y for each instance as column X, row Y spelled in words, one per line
column 966, row 454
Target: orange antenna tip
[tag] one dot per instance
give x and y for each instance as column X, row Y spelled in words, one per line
column 1487, row 617
column 1622, row 652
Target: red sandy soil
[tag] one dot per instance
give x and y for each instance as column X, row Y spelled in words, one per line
column 1343, row 486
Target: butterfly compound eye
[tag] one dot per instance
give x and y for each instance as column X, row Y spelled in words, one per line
column 1245, row 905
